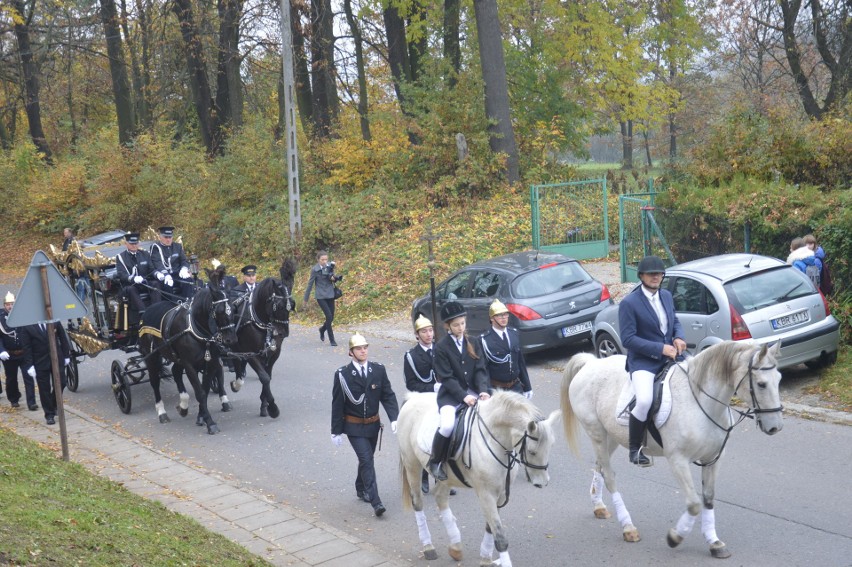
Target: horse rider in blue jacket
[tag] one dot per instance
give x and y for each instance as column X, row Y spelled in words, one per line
column 651, row 333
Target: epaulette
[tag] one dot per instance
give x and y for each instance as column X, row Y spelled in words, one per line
column 376, row 363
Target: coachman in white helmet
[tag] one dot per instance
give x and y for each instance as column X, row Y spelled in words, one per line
column 12, row 355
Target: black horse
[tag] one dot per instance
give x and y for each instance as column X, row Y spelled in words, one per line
column 185, row 335
column 262, row 323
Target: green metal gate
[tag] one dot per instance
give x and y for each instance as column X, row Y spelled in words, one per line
column 639, row 235
column 571, row 218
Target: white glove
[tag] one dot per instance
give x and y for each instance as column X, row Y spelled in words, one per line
column 31, row 371
column 393, row 427
column 184, row 273
column 528, row 395
column 437, row 386
column 337, row 440
column 138, row 279
column 4, row 355
column 169, row 281
column 160, row 276
column 67, row 361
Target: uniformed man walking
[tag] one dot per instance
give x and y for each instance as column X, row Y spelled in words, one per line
column 359, row 388
column 417, row 367
column 12, row 355
column 504, row 360
column 170, row 264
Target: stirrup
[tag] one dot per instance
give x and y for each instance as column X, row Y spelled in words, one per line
column 436, row 470
column 639, row 459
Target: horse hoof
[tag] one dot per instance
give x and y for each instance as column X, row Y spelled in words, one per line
column 487, row 562
column 182, row 411
column 430, row 553
column 226, row 406
column 631, row 534
column 235, row 386
column 719, row 550
column 164, row 418
column 274, row 412
column 212, row 429
column 263, row 412
column 602, row 513
column 455, row 551
column 673, row 539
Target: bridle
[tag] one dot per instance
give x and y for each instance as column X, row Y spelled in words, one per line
column 516, row 454
column 753, row 412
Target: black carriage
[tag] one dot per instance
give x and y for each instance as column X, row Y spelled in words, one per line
column 91, row 271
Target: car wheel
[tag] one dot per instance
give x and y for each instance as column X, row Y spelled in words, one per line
column 825, row 360
column 606, row 346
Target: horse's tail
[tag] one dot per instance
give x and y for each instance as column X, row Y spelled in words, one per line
column 406, row 486
column 569, row 420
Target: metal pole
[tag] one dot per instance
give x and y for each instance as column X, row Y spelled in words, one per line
column 54, row 362
column 429, row 238
column 292, row 155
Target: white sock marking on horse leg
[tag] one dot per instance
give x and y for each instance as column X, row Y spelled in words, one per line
column 223, row 399
column 504, row 559
column 684, row 524
column 708, row 525
column 621, row 510
column 423, row 528
column 450, row 525
column 184, row 400
column 486, row 548
column 161, row 407
column 596, row 490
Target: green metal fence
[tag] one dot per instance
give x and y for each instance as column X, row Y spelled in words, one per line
column 571, row 218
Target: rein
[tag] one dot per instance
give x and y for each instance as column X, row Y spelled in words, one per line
column 254, row 319
column 753, row 411
column 213, row 338
column 514, row 455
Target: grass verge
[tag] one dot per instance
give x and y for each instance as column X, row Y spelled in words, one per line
column 57, row 513
column 835, row 383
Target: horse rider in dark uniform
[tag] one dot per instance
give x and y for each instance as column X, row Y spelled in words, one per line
column 460, row 368
column 504, row 360
column 170, row 264
column 12, row 355
column 35, row 339
column 359, row 388
column 135, row 272
column 651, row 334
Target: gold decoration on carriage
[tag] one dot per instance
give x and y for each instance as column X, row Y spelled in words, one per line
column 87, row 338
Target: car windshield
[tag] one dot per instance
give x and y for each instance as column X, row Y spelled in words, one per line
column 551, row 279
column 768, row 288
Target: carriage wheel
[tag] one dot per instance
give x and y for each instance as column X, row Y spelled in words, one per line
column 120, row 386
column 135, row 370
column 72, row 373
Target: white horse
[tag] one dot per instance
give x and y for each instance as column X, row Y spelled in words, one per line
column 696, row 431
column 506, row 430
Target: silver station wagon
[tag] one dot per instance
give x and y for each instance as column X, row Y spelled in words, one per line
column 742, row 297
column 552, row 300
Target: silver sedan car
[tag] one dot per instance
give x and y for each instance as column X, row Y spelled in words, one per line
column 742, row 297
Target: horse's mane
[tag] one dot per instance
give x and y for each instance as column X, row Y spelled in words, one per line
column 723, row 360
column 509, row 408
column 288, row 273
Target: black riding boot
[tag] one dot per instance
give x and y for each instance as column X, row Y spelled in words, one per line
column 424, row 482
column 440, row 444
column 637, row 435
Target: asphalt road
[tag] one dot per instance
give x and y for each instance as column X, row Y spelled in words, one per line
column 781, row 500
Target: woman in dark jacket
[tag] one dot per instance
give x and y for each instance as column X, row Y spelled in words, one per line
column 460, row 368
column 323, row 276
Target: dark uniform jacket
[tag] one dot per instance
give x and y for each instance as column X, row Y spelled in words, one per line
column 417, row 366
column 354, row 396
column 505, row 365
column 37, row 347
column 458, row 372
column 9, row 338
column 128, row 265
column 640, row 330
column 168, row 259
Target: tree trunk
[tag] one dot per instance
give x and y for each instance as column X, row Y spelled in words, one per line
column 145, row 116
column 452, row 43
column 397, row 52
column 322, row 68
column 790, row 12
column 118, row 73
column 5, row 139
column 69, row 94
column 229, row 89
column 497, row 109
column 31, row 82
column 417, row 50
column 304, row 98
column 359, row 65
column 627, row 144
column 647, row 148
column 140, row 108
column 198, row 81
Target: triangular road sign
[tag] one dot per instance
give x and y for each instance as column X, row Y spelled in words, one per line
column 29, row 306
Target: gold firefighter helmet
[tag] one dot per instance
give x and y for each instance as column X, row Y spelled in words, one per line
column 10, row 297
column 421, row 323
column 497, row 308
column 357, row 340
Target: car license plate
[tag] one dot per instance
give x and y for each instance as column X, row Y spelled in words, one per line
column 790, row 320
column 575, row 329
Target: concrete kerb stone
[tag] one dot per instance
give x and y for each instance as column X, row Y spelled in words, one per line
column 268, row 529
